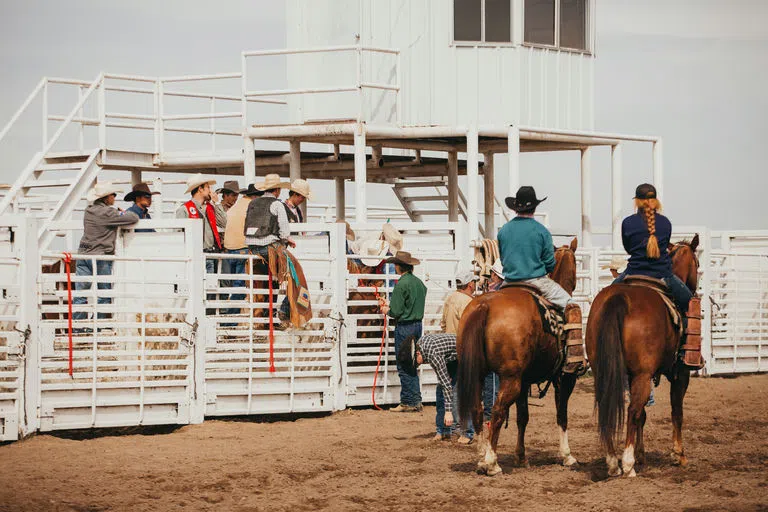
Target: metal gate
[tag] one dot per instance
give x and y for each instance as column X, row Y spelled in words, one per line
column 130, row 358
column 18, row 244
column 440, row 247
column 307, row 363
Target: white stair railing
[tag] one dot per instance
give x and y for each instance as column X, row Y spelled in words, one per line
column 39, row 157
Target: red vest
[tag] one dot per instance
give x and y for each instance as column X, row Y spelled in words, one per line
column 210, row 215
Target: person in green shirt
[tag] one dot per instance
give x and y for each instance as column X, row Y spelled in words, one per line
column 406, row 308
column 528, row 254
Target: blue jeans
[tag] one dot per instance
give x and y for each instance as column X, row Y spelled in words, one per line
column 85, row 268
column 410, row 393
column 440, row 413
column 234, row 266
column 490, row 390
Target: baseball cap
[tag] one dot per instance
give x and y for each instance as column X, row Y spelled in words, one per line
column 466, row 277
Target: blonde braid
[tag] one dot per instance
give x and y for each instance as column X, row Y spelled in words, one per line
column 649, row 208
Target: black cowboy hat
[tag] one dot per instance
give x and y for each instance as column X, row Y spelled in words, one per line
column 406, row 356
column 141, row 189
column 524, row 201
column 645, row 191
column 404, row 258
column 252, row 191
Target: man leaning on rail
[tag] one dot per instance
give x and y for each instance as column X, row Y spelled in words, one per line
column 100, row 223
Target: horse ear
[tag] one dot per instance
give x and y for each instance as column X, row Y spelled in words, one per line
column 574, row 244
column 695, row 242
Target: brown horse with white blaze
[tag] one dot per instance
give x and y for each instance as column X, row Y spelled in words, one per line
column 630, row 335
column 502, row 332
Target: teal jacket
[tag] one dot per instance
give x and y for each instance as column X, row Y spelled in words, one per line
column 526, row 249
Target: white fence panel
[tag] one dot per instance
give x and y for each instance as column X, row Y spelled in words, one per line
column 307, row 362
column 133, row 354
column 442, row 249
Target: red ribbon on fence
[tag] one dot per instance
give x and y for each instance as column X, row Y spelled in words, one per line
column 381, row 351
column 67, row 262
column 271, row 325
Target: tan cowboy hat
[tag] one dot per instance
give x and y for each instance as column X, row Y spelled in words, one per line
column 231, row 186
column 404, row 258
column 301, row 187
column 392, row 236
column 618, row 263
column 272, row 181
column 371, row 251
column 197, row 180
column 102, row 190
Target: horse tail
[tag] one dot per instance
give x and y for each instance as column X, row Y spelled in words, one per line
column 471, row 363
column 610, row 372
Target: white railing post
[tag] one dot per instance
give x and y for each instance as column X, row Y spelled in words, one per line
column 102, row 109
column 196, row 309
column 616, row 185
column 705, row 242
column 586, row 198
column 658, row 169
column 160, row 122
column 337, row 234
column 473, row 219
column 29, row 269
column 156, row 113
column 359, row 84
column 361, row 175
column 513, row 151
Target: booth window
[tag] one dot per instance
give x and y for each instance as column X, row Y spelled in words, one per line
column 557, row 23
column 484, row 21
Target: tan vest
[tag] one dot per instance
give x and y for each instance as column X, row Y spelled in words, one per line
column 234, row 236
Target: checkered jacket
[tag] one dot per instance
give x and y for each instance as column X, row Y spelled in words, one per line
column 438, row 350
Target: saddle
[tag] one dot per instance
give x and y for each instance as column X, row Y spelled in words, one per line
column 551, row 317
column 662, row 289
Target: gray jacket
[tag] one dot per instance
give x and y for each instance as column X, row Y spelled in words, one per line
column 100, row 225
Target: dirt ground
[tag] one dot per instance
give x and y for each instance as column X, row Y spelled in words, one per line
column 370, row 460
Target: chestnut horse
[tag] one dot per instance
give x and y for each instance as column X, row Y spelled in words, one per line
column 502, row 332
column 630, row 335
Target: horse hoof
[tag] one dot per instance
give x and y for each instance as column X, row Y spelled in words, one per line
column 569, row 461
column 679, row 460
column 523, row 463
column 493, row 470
column 631, row 473
column 482, row 468
column 614, row 472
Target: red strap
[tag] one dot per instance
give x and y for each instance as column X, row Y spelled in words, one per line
column 381, row 351
column 271, row 325
column 67, row 261
column 210, row 215
column 192, row 210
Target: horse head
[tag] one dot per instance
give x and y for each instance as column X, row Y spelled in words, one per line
column 685, row 263
column 564, row 272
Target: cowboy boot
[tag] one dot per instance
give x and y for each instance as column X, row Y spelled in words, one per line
column 574, row 344
column 691, row 345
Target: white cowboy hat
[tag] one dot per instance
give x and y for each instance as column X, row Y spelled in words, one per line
column 372, row 251
column 197, row 180
column 393, row 237
column 301, row 187
column 618, row 263
column 272, row 181
column 102, row 190
column 498, row 268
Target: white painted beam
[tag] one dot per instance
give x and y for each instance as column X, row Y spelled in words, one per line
column 361, row 175
column 586, row 198
column 616, row 195
column 473, row 172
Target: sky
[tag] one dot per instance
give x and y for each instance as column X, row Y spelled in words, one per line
column 692, row 71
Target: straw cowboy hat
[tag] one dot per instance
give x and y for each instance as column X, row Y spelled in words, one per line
column 272, row 181
column 301, row 187
column 231, row 186
column 371, row 251
column 197, row 180
column 618, row 263
column 498, row 268
column 141, row 189
column 404, row 258
column 524, row 201
column 393, row 237
column 102, row 190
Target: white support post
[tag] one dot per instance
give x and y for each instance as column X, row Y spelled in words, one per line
column 658, row 170
column 29, row 270
column 338, row 238
column 489, row 205
column 294, row 168
column 101, row 100
column 705, row 243
column 196, row 311
column 135, row 177
column 616, row 195
column 249, row 160
column 453, row 186
column 473, row 220
column 341, row 200
column 586, row 198
column 513, row 151
column 361, row 176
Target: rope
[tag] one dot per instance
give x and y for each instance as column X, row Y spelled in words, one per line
column 271, row 325
column 381, row 351
column 67, row 262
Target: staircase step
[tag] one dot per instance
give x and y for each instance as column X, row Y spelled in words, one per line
column 62, row 166
column 429, row 212
column 47, row 183
column 68, row 156
column 420, row 184
column 411, row 199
